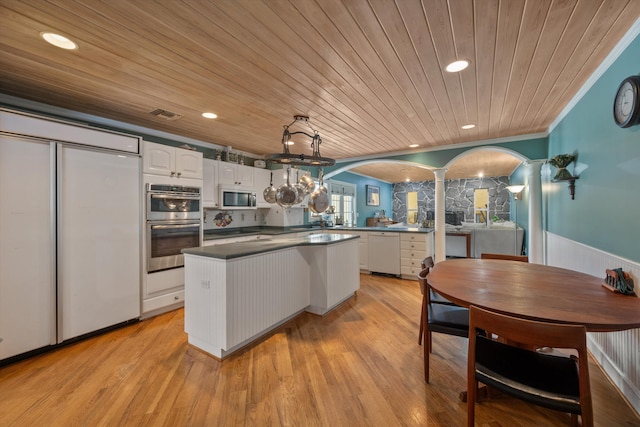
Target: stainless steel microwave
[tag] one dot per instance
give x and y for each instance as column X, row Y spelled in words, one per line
column 234, row 198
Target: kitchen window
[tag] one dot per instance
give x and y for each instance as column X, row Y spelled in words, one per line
column 343, row 199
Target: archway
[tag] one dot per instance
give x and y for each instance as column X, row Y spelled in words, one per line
column 369, row 162
column 532, row 177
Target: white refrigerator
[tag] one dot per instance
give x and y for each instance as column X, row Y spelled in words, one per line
column 70, row 250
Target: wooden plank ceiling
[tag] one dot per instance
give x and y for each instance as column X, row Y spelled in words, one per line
column 369, row 73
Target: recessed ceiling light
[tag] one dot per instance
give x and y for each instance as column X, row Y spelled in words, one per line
column 469, row 126
column 209, row 115
column 456, row 66
column 58, row 41
column 414, row 145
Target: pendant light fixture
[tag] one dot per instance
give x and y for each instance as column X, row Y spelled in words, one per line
column 288, row 158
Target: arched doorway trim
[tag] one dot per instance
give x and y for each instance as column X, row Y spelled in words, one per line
column 369, row 162
column 471, row 151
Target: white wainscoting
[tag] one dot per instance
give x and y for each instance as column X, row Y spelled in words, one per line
column 617, row 352
column 269, row 289
column 229, row 303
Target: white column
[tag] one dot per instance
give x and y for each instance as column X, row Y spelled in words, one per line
column 535, row 236
column 440, row 240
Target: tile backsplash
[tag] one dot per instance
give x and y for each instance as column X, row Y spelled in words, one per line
column 215, row 219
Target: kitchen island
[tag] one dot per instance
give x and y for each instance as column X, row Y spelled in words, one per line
column 235, row 293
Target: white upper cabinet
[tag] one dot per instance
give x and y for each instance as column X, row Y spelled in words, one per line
column 210, row 183
column 176, row 162
column 188, row 163
column 217, row 173
column 233, row 174
column 262, row 178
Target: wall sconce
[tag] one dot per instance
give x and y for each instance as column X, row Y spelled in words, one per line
column 516, row 190
column 561, row 162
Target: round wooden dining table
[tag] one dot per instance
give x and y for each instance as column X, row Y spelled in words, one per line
column 535, row 292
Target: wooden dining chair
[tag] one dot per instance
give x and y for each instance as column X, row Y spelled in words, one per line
column 522, row 258
column 435, row 297
column 553, row 381
column 442, row 318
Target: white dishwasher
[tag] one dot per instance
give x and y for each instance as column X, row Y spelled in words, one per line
column 384, row 252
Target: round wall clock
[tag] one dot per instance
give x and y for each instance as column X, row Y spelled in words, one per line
column 626, row 106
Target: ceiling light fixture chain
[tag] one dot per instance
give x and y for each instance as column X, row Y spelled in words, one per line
column 286, row 157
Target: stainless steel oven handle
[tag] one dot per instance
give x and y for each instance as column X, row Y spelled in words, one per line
column 162, row 227
column 170, row 196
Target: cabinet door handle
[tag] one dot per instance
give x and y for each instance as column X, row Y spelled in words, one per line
column 179, row 173
column 172, row 173
column 176, row 297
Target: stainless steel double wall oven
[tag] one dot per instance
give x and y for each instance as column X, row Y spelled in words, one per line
column 173, row 224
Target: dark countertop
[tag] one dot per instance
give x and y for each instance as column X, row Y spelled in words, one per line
column 278, row 231
column 254, row 231
column 387, row 229
column 241, row 249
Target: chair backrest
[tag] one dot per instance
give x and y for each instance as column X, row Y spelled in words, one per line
column 530, row 332
column 427, row 262
column 422, row 279
column 534, row 334
column 521, row 258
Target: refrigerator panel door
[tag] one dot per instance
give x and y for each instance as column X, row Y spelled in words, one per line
column 27, row 251
column 98, row 240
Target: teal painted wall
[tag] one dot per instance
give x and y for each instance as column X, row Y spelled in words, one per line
column 364, row 211
column 606, row 211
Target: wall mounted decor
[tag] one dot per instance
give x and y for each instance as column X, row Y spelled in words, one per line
column 626, row 104
column 561, row 162
column 373, row 195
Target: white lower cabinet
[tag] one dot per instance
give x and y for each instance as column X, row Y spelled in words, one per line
column 364, row 250
column 363, row 245
column 163, row 291
column 161, row 302
column 414, row 247
column 159, row 159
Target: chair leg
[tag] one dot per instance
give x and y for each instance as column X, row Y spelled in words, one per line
column 426, row 350
column 472, row 390
column 421, row 326
column 574, row 420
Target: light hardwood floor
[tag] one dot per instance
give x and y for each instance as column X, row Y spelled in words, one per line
column 359, row 365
